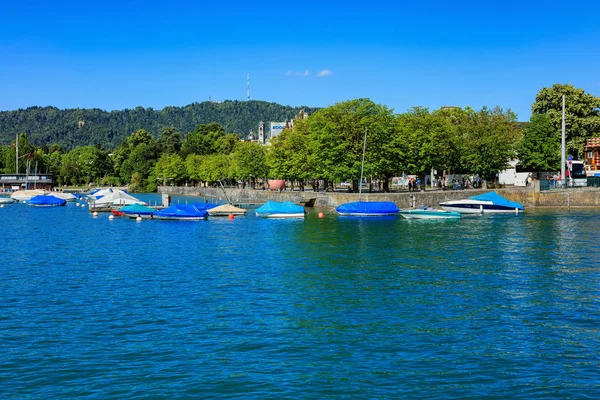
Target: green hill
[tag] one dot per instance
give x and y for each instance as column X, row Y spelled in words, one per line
column 80, row 127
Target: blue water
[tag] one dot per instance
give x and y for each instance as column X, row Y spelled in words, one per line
column 484, row 307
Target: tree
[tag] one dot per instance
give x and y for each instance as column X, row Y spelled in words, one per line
column 488, row 140
column 337, row 137
column 288, row 156
column 84, row 164
column 433, row 140
column 539, row 149
column 170, row 168
column 226, row 144
column 137, row 153
column 216, row 167
column 203, row 140
column 169, row 140
column 582, row 114
column 26, row 150
column 248, row 161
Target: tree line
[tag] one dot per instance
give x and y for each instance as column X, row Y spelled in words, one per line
column 327, row 146
column 72, row 128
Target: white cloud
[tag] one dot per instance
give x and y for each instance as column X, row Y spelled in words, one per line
column 324, row 73
column 295, row 73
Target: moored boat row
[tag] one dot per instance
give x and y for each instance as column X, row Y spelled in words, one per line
column 490, row 202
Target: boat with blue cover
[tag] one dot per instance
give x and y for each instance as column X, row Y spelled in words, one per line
column 137, row 210
column 277, row 209
column 181, row 212
column 46, row 201
column 486, row 203
column 429, row 213
column 368, row 208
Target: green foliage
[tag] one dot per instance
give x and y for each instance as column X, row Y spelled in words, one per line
column 169, row 140
column 337, row 137
column 248, row 161
column 81, row 127
column 216, row 167
column 203, row 140
column 288, row 156
column 539, row 149
column 170, row 169
column 84, row 165
column 488, row 140
column 582, row 114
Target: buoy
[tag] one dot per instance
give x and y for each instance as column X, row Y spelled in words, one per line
column 231, row 216
column 139, row 219
column 1, row 205
column 111, row 217
column 321, row 215
column 95, row 214
column 83, row 206
column 24, row 201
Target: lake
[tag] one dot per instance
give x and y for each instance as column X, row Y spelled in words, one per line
column 503, row 306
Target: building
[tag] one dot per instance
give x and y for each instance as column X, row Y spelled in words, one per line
column 592, row 157
column 14, row 182
column 275, row 129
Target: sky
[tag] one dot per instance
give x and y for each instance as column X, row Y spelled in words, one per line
column 114, row 55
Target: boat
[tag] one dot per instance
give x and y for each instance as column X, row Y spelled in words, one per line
column 225, row 210
column 6, row 200
column 137, row 210
column 429, row 213
column 115, row 198
column 26, row 195
column 65, row 196
column 181, row 212
column 277, row 209
column 46, row 201
column 487, row 203
column 366, row 208
column 205, row 206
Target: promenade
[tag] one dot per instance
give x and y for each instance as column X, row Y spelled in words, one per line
column 529, row 197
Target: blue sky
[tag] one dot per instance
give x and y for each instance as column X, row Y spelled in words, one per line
column 124, row 54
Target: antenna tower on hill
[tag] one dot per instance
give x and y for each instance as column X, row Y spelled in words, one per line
column 248, row 85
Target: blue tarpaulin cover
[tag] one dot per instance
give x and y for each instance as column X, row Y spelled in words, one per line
column 368, row 208
column 497, row 200
column 205, row 206
column 276, row 207
column 46, row 200
column 137, row 209
column 182, row 211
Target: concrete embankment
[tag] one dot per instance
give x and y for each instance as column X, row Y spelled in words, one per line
column 529, row 197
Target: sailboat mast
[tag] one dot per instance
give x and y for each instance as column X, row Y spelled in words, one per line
column 362, row 167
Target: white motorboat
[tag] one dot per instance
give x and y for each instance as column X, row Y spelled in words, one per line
column 486, row 203
column 429, row 213
column 26, row 195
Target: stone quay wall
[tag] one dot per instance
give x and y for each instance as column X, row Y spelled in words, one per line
column 529, row 197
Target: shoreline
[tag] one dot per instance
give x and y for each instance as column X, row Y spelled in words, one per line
column 529, row 197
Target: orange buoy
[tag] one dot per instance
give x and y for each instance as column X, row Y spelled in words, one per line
column 231, row 216
column 321, row 215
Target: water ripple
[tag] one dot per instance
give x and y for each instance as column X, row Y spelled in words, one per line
column 492, row 306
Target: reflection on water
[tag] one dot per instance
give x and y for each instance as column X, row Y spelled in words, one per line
column 503, row 306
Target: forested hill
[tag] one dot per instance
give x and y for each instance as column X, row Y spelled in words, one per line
column 80, row 127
